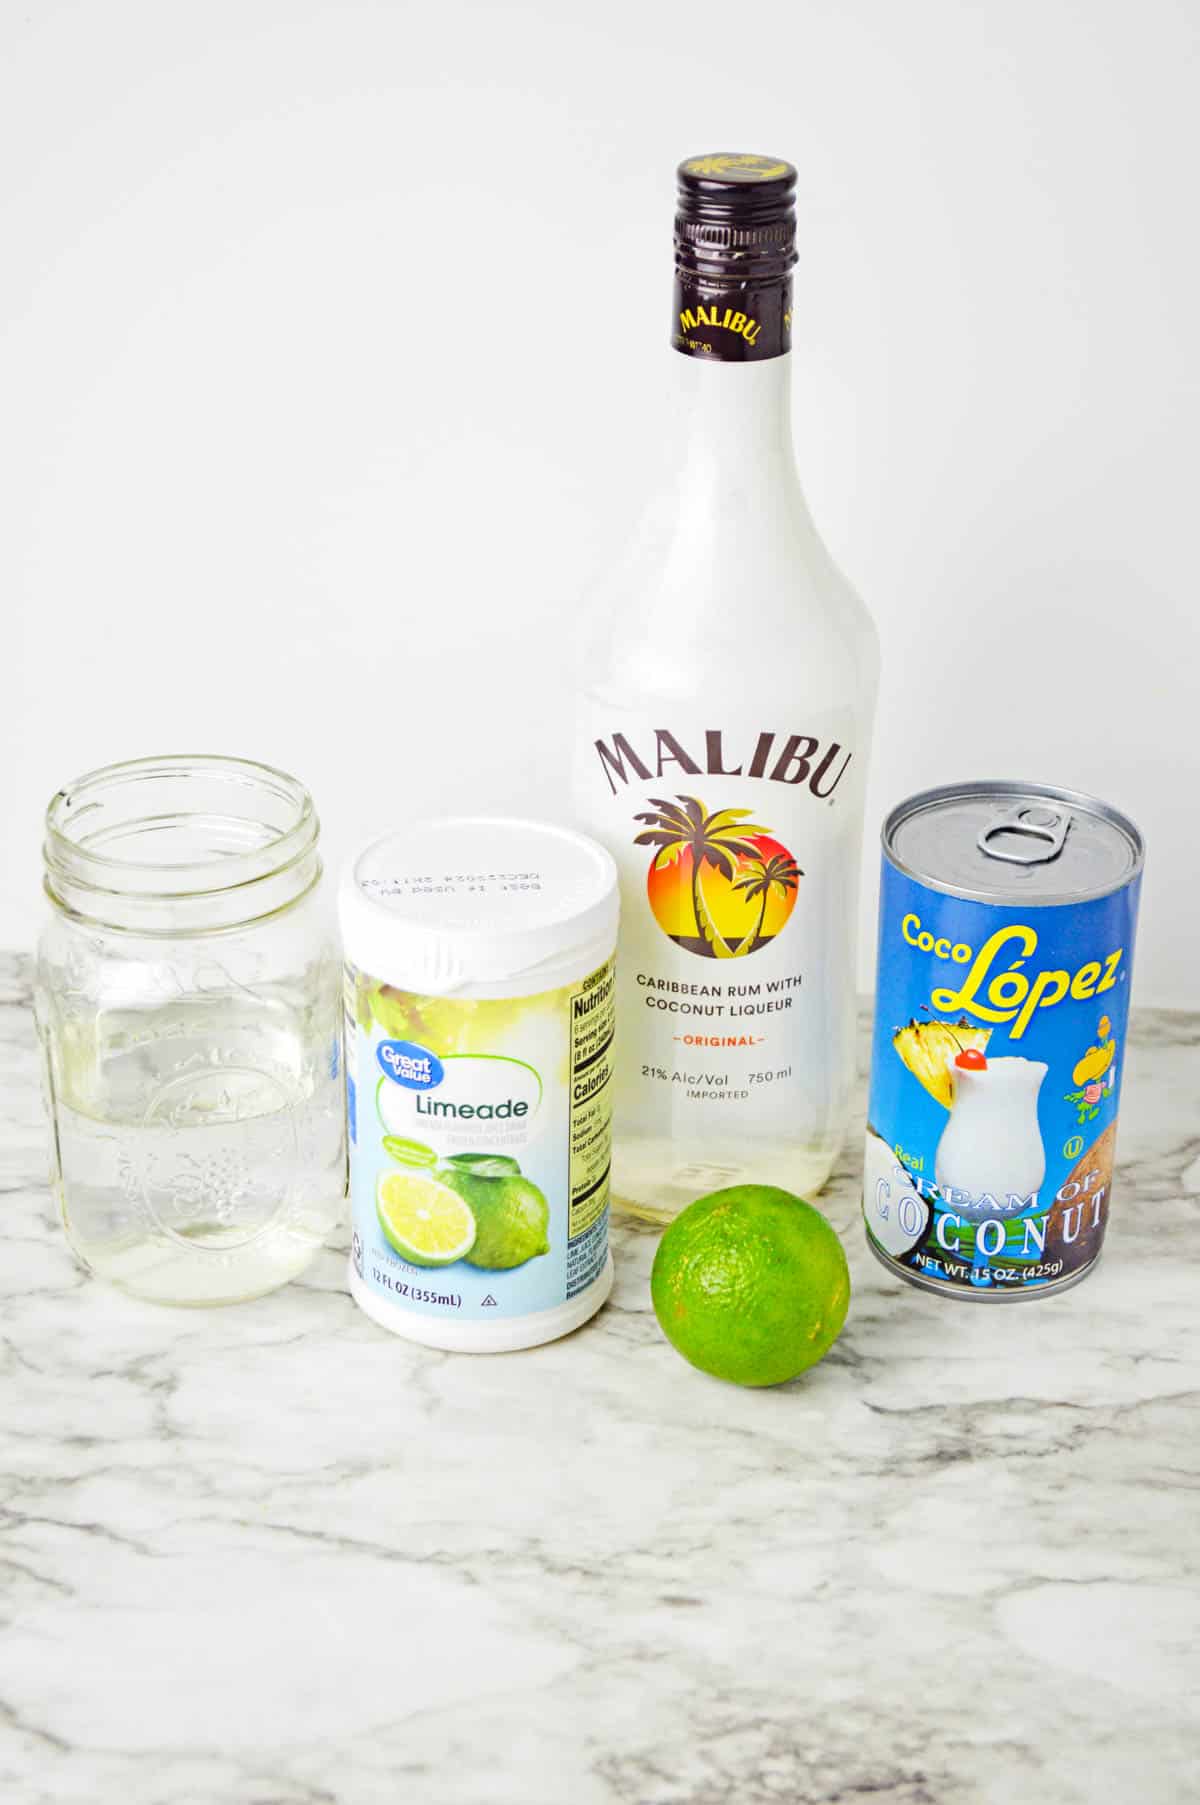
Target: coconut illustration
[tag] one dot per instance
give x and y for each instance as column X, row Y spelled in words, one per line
column 896, row 1214
column 1075, row 1229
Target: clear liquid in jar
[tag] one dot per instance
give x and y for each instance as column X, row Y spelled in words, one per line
column 201, row 1147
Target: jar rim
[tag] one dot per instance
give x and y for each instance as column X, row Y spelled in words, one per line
column 274, row 835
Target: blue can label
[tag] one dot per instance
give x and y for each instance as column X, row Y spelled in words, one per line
column 996, row 1066
column 480, row 1145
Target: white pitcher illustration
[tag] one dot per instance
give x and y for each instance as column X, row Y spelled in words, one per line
column 991, row 1147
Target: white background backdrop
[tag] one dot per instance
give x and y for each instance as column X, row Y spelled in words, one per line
column 332, row 342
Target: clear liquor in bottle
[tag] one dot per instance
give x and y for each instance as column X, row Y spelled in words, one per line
column 722, row 739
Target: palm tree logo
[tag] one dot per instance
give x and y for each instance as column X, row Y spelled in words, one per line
column 708, row 873
column 779, row 873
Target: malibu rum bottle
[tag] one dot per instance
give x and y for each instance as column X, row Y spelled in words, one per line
column 722, row 740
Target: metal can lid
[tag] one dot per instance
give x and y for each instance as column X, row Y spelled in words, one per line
column 439, row 905
column 1003, row 842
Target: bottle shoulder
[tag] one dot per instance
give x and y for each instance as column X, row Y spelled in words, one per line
column 766, row 606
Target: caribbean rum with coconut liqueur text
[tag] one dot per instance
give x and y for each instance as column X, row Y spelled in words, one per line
column 722, row 741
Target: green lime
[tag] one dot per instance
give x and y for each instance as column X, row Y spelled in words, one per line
column 426, row 1222
column 409, row 1153
column 511, row 1215
column 751, row 1284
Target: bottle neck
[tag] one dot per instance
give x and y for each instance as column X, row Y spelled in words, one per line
column 732, row 375
column 735, row 426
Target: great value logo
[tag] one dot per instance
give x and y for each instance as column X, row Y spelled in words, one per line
column 414, row 1068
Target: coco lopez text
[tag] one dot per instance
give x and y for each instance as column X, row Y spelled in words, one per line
column 1012, row 996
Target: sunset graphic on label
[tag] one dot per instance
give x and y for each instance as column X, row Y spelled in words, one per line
column 719, row 885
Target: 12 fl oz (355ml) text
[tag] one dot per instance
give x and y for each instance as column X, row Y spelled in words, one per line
column 417, row 1293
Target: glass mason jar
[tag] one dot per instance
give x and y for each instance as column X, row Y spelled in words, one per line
column 188, row 1001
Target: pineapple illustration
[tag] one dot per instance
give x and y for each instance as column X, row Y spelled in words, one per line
column 928, row 1050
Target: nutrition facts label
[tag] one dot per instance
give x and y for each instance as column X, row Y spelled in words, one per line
column 593, row 1016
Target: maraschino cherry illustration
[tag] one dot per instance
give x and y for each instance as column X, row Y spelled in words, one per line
column 971, row 1060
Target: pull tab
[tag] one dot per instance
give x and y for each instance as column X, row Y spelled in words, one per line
column 1044, row 827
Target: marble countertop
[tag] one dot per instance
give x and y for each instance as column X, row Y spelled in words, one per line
column 272, row 1555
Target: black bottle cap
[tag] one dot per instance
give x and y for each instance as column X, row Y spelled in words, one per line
column 736, row 216
column 735, row 244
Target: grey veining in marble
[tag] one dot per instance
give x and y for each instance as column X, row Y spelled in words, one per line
column 273, row 1556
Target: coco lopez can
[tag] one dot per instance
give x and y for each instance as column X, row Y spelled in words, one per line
column 479, row 1045
column 1006, row 929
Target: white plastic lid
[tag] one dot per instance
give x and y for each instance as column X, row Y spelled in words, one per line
column 438, row 906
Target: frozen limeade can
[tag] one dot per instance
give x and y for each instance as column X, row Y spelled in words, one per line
column 479, row 1045
column 1006, row 928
